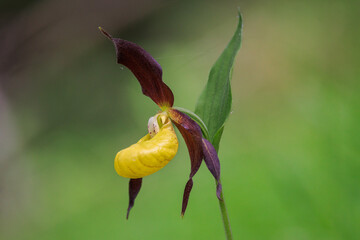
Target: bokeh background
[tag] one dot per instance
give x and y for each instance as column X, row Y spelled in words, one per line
column 290, row 150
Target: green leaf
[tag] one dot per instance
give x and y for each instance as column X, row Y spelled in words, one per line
column 214, row 104
column 217, row 137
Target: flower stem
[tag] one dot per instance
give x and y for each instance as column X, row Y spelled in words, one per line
column 225, row 217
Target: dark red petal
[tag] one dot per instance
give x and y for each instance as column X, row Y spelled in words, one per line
column 212, row 162
column 218, row 190
column 186, row 196
column 192, row 135
column 134, row 188
column 145, row 68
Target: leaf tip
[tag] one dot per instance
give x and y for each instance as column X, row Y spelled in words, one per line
column 239, row 16
column 239, row 11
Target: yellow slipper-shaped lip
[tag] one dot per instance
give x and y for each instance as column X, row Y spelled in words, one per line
column 149, row 154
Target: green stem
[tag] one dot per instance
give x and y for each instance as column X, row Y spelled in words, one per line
column 225, row 217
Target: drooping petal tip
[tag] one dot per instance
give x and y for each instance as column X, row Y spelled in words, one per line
column 219, row 190
column 186, row 196
column 134, row 189
column 192, row 135
column 212, row 162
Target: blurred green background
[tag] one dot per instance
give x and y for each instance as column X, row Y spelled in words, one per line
column 290, row 150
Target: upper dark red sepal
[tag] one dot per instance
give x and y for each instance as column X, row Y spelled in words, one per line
column 145, row 68
column 192, row 135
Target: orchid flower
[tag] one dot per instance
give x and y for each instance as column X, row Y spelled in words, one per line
column 152, row 152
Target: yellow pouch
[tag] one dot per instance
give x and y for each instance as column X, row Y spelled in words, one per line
column 149, row 154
